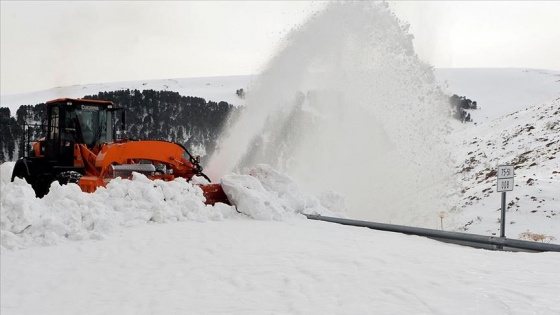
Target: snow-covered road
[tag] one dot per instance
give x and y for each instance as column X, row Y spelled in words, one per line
column 296, row 266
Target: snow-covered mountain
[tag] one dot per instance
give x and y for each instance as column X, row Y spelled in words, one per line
column 498, row 91
column 210, row 88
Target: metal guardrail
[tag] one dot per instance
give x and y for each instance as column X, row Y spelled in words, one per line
column 472, row 240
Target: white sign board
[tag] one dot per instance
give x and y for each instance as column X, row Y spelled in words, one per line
column 505, row 178
column 505, row 171
column 505, row 184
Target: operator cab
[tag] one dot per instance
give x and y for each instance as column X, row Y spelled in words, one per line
column 81, row 121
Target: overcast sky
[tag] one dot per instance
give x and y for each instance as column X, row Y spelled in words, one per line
column 47, row 44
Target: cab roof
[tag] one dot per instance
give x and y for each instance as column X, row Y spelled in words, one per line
column 81, row 101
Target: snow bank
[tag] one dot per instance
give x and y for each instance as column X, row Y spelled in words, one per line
column 266, row 194
column 68, row 213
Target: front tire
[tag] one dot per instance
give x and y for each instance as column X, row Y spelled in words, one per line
column 40, row 184
column 68, row 177
column 21, row 171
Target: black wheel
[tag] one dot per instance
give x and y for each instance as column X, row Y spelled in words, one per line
column 68, row 177
column 42, row 185
column 21, row 171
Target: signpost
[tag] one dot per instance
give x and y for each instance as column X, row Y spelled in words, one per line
column 505, row 183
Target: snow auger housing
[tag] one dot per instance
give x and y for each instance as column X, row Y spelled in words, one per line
column 82, row 145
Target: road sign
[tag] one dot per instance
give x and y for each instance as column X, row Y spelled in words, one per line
column 505, row 178
column 505, row 171
column 505, row 184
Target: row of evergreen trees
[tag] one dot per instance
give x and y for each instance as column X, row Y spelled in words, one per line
column 165, row 115
column 9, row 133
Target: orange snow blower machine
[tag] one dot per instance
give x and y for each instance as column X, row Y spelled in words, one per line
column 82, row 144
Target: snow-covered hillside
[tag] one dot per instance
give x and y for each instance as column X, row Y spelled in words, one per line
column 528, row 139
column 210, row 88
column 500, row 92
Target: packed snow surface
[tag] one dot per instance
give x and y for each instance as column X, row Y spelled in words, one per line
column 294, row 266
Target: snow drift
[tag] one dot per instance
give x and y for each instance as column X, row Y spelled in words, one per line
column 68, row 213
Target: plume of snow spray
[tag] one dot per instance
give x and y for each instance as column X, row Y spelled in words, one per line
column 347, row 106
